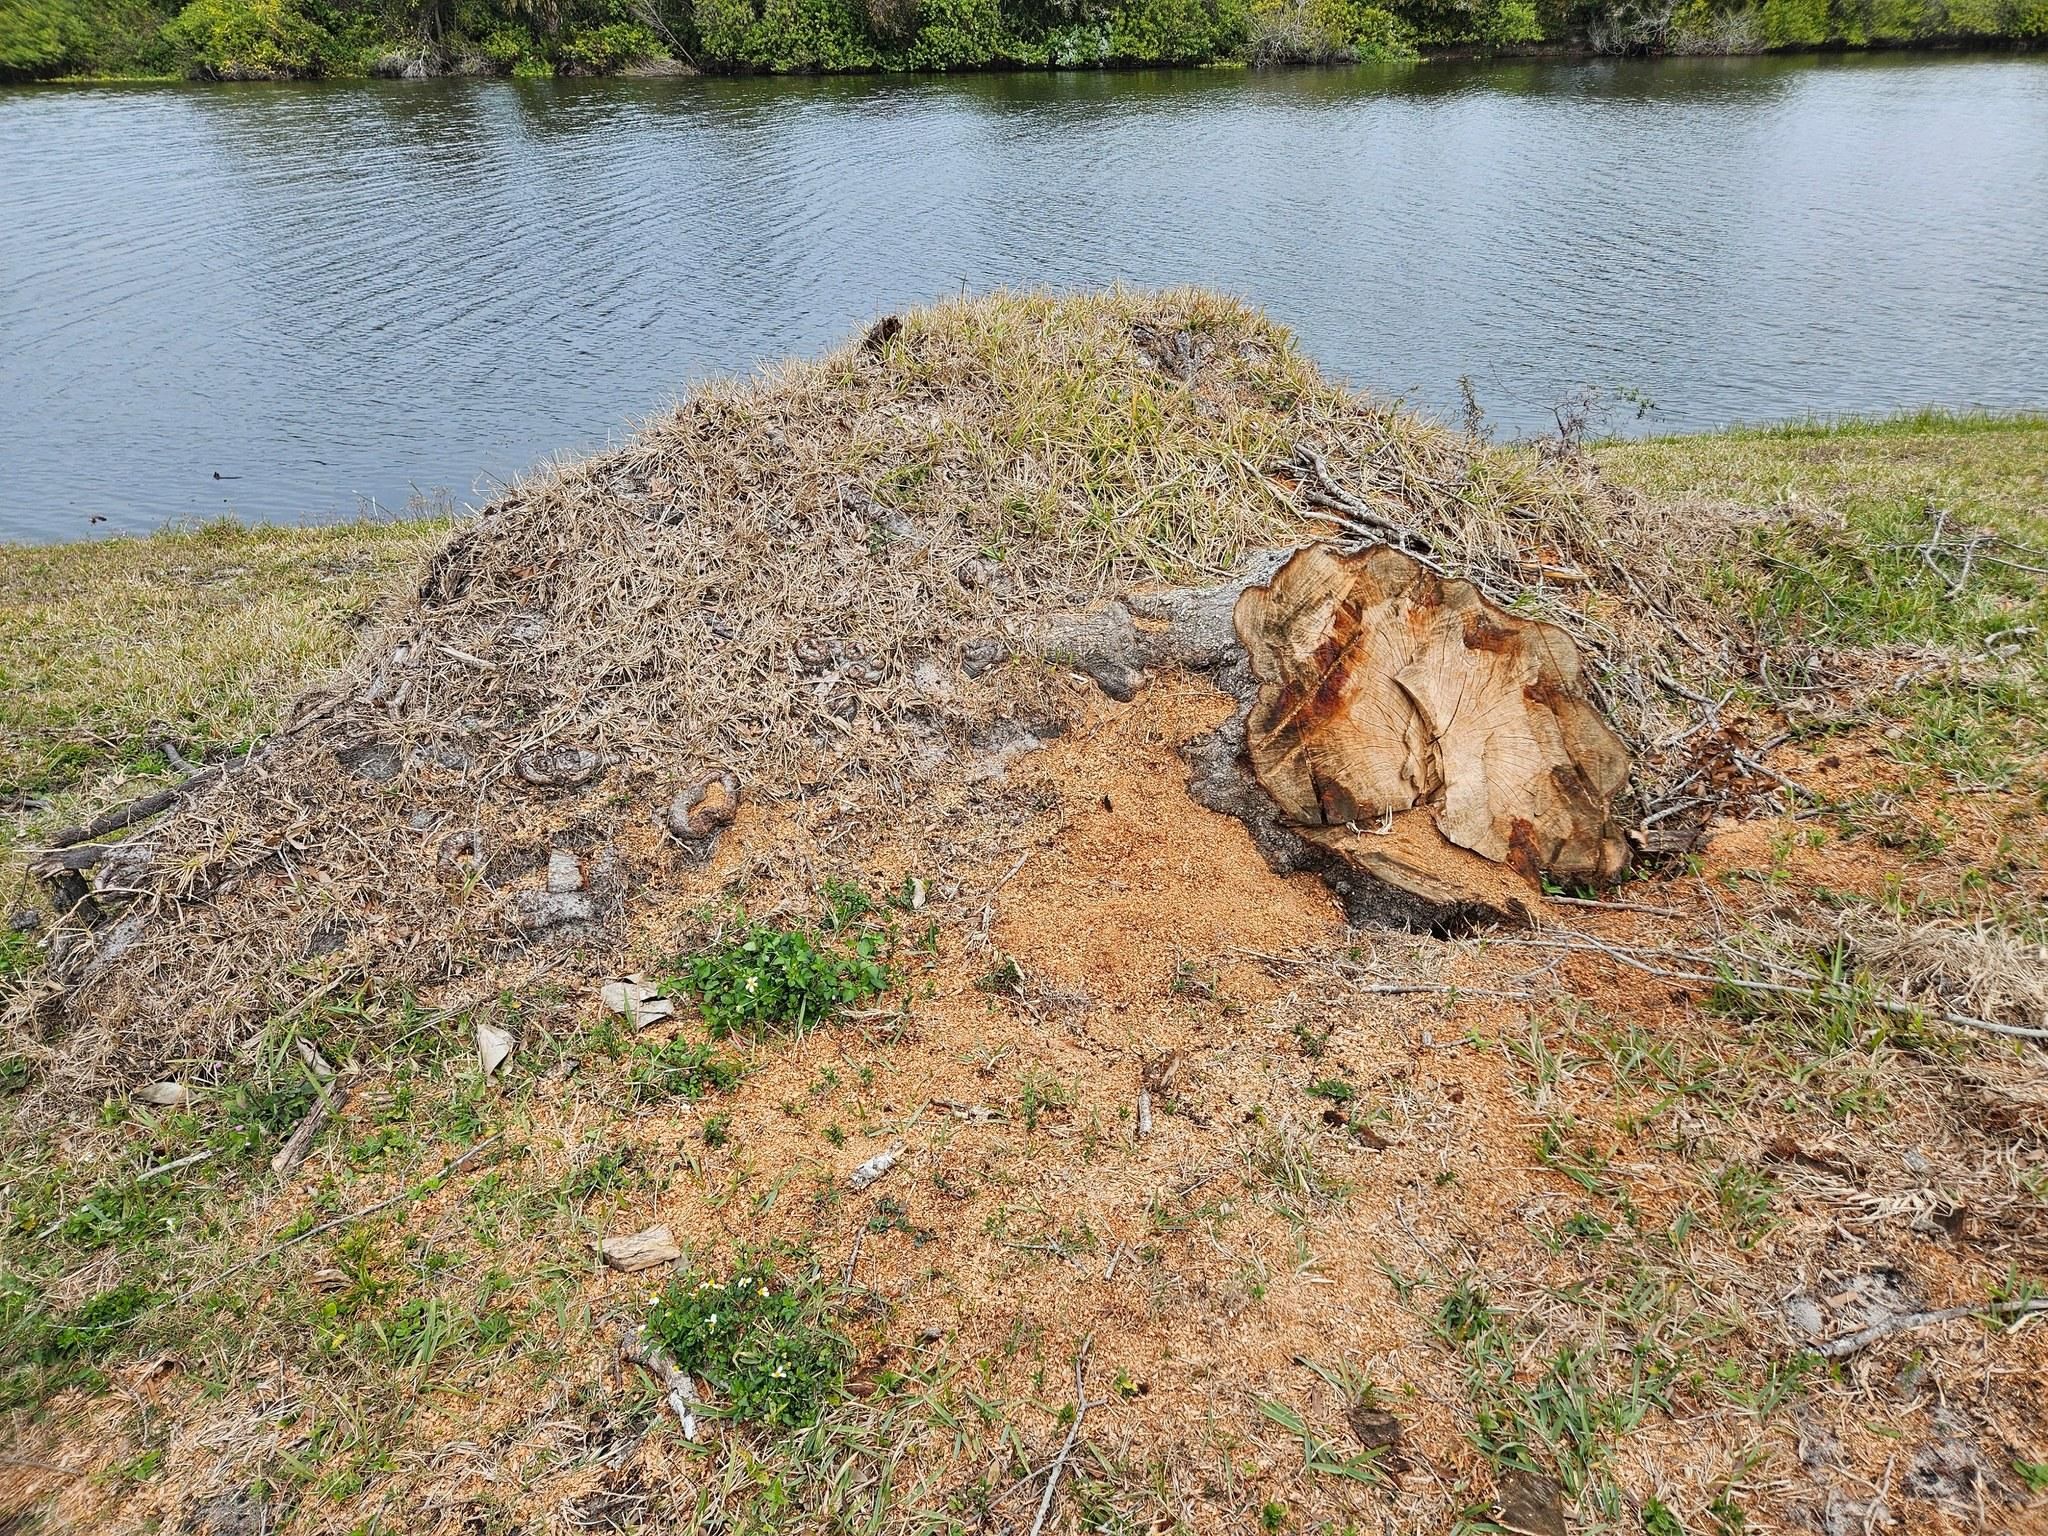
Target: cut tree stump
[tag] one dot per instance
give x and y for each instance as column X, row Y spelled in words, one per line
column 1429, row 755
column 1384, row 687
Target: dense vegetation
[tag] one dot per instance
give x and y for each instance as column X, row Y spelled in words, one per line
column 273, row 39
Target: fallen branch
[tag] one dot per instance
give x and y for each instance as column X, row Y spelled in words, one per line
column 141, row 809
column 1059, row 1465
column 1849, row 1344
column 1813, row 984
column 677, row 1387
column 332, row 1096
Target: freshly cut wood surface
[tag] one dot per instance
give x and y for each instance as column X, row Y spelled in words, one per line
column 1385, row 687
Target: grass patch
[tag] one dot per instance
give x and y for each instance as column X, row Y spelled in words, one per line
column 110, row 650
column 772, row 979
column 761, row 1338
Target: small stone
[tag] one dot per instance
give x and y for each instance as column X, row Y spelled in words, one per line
column 538, row 912
column 565, row 872
column 641, row 1250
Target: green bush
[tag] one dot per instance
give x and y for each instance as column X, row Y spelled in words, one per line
column 955, row 34
column 600, row 50
column 771, row 978
column 762, row 1341
column 808, row 37
column 1178, row 31
column 245, row 40
column 505, row 48
column 1794, row 23
column 2029, row 18
column 38, row 37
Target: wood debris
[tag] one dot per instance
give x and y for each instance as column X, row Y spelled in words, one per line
column 640, row 1250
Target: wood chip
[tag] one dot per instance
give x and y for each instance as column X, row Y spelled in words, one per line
column 641, row 1250
column 871, row 1170
column 165, row 1095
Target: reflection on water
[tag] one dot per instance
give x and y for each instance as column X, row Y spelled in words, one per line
column 336, row 294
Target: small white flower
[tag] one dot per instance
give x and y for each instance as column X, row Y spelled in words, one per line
column 714, row 1320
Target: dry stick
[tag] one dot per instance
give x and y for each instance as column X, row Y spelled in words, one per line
column 1816, row 984
column 333, row 1095
column 187, row 1161
column 1059, row 1465
column 122, row 816
column 453, row 1166
column 1614, row 906
column 1848, row 1344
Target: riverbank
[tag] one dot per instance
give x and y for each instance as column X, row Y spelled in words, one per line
column 297, row 39
column 1052, row 1151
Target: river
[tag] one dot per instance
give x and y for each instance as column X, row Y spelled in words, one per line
column 309, row 301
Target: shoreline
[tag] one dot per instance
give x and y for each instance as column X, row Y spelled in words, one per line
column 401, row 61
column 1934, row 48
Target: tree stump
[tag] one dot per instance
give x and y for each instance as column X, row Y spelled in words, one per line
column 1384, row 687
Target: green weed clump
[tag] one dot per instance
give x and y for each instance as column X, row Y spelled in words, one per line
column 761, row 1339
column 769, row 979
column 680, row 1070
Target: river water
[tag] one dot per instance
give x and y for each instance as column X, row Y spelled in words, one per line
column 303, row 302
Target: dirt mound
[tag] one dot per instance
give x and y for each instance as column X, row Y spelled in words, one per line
column 825, row 591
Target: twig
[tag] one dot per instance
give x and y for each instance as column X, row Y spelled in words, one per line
column 1813, row 984
column 1059, row 1465
column 333, row 1095
column 190, row 1159
column 448, row 1169
column 853, row 1258
column 122, row 816
column 1764, row 770
column 1848, row 1344
column 1615, row 906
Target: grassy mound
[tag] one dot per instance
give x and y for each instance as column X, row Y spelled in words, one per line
column 819, row 587
column 1029, row 1144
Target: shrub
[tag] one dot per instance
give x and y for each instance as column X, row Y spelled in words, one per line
column 504, row 48
column 1304, row 31
column 600, row 50
column 724, row 29
column 760, row 1340
column 1178, row 31
column 952, row 34
column 245, row 40
column 38, row 37
column 1794, row 23
column 771, row 978
column 810, row 36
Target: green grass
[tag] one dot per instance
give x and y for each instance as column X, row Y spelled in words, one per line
column 199, row 639
column 773, row 979
column 762, row 1338
column 1842, row 512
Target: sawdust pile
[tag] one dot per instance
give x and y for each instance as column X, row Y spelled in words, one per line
column 813, row 590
